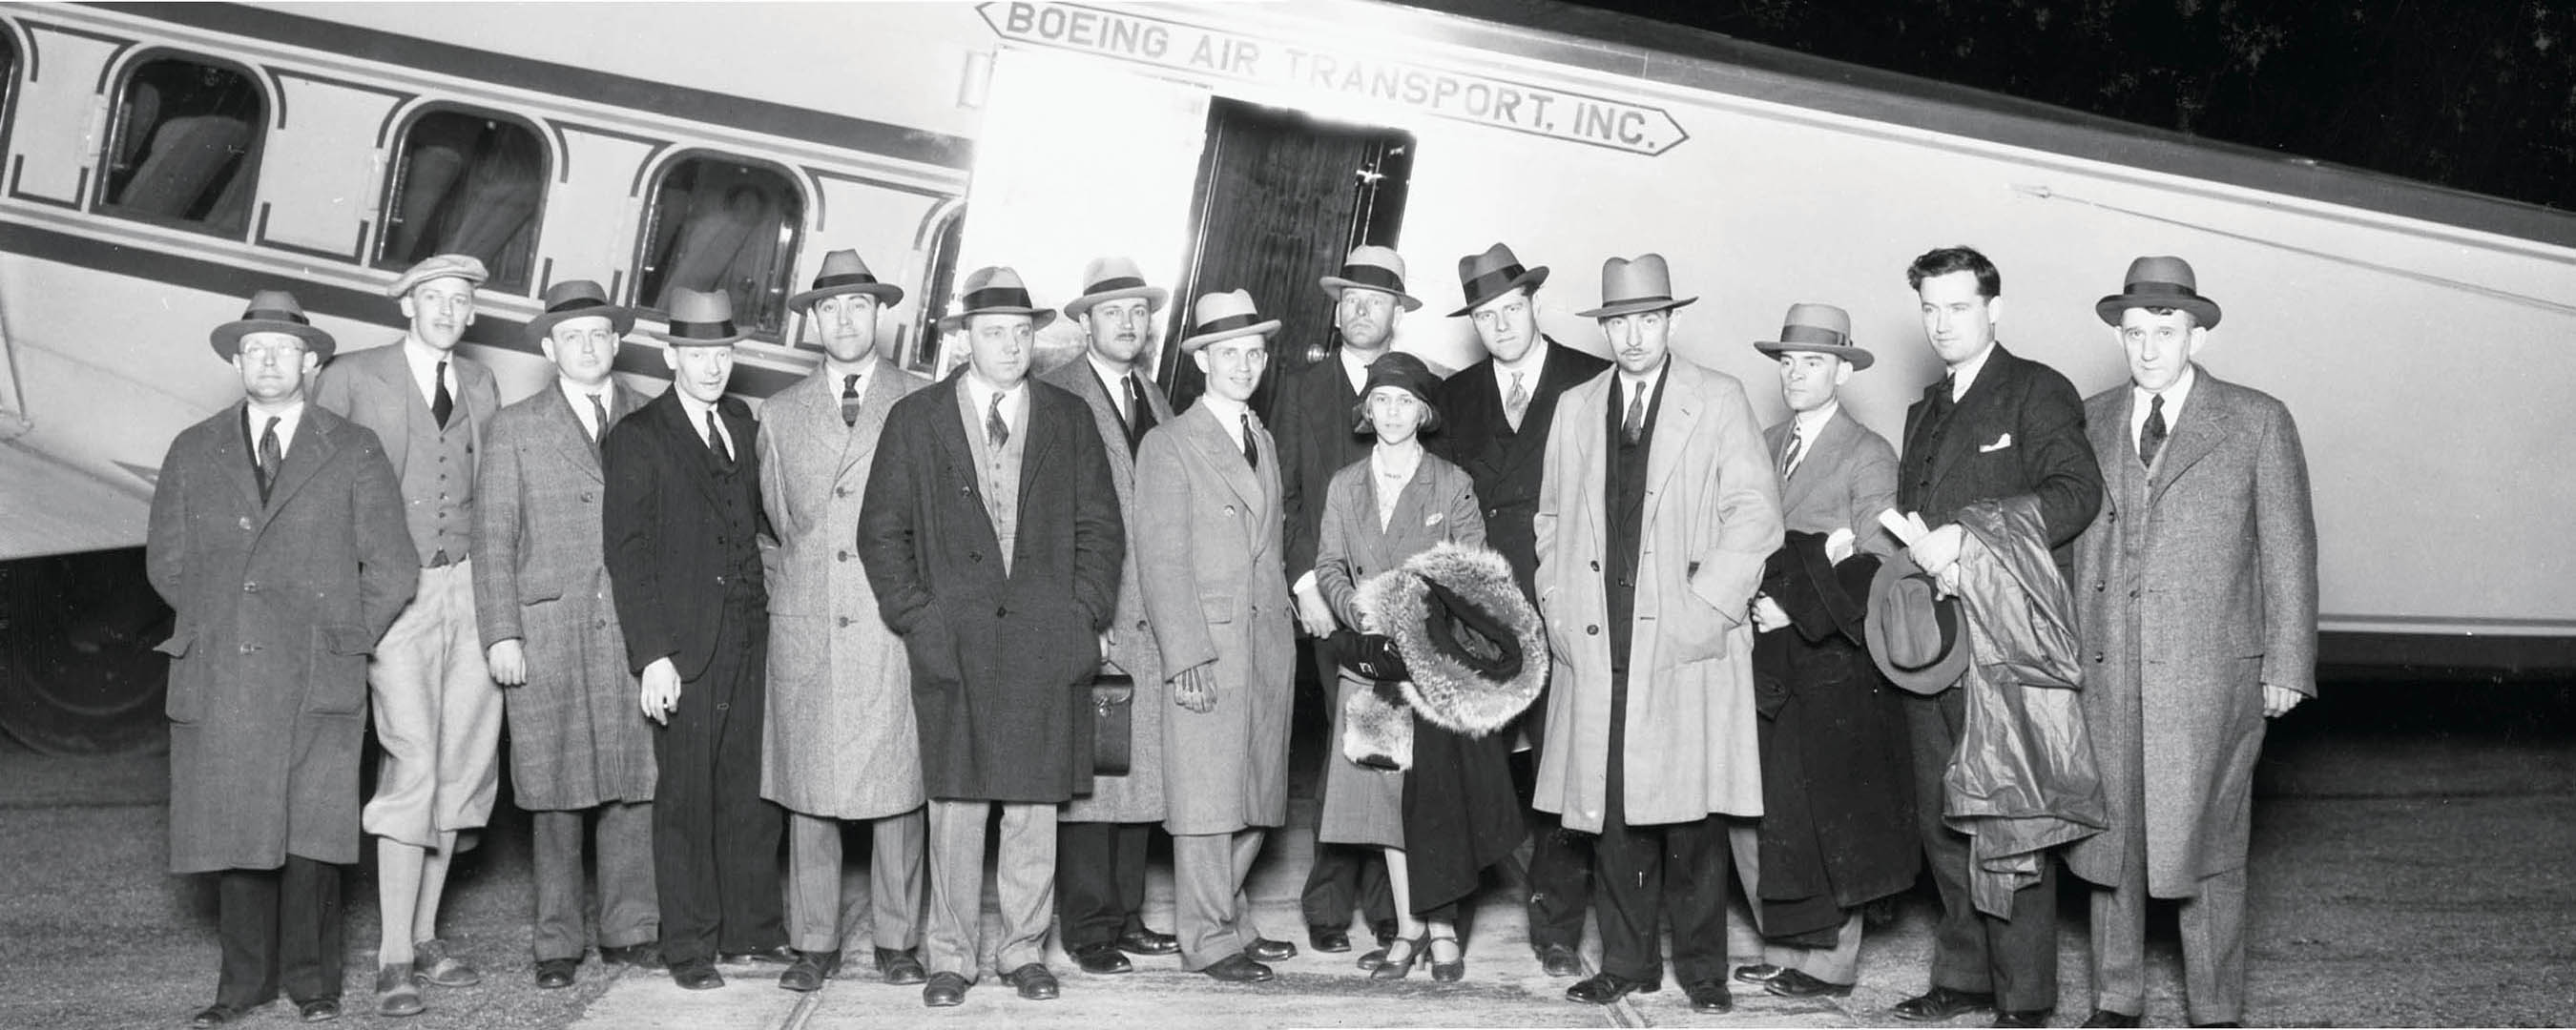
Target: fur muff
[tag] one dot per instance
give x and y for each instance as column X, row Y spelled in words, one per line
column 1463, row 680
column 1377, row 732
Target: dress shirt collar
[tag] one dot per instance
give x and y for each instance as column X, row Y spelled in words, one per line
column 1528, row 368
column 579, row 396
column 1965, row 372
column 1652, row 381
column 1355, row 368
column 289, row 418
column 2174, row 396
column 1229, row 413
column 423, row 361
column 1811, row 423
column 1015, row 400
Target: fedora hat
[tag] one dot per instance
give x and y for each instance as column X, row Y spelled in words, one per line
column 995, row 290
column 1372, row 267
column 844, row 272
column 271, row 311
column 1483, row 277
column 2159, row 282
column 1822, row 328
column 1918, row 639
column 701, row 320
column 1404, row 372
column 577, row 298
column 1114, row 278
column 1628, row 287
column 1224, row 316
column 461, row 266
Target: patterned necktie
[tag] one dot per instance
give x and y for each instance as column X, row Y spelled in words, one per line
column 1790, row 453
column 598, row 418
column 2152, row 439
column 444, row 404
column 716, row 440
column 270, row 457
column 1635, row 426
column 1140, row 417
column 1516, row 404
column 1251, row 450
column 849, row 400
column 996, row 431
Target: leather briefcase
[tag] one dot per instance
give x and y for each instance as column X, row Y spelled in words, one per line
column 1113, row 718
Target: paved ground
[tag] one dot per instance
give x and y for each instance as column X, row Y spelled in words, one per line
column 2409, row 868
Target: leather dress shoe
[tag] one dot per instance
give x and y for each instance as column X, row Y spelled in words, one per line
column 899, row 966
column 1710, row 996
column 1370, row 960
column 318, row 1010
column 1101, row 958
column 810, row 969
column 944, row 990
column 778, row 954
column 1033, row 982
column 1604, row 988
column 396, row 993
column 2108, row 1018
column 1761, row 973
column 1328, row 940
column 217, row 1014
column 1559, row 960
column 556, row 972
column 2022, row 1018
column 1147, row 942
column 432, row 965
column 1942, row 1003
column 647, row 955
column 700, row 975
column 1795, row 983
column 1239, row 968
column 1263, row 949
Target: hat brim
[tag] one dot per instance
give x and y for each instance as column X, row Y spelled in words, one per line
column 1431, row 417
column 1155, row 298
column 1858, row 357
column 544, row 325
column 1334, row 284
column 1039, row 318
column 1191, row 343
column 699, row 341
column 2204, row 311
column 1532, row 278
column 227, row 337
column 1633, row 307
column 1942, row 673
column 887, row 294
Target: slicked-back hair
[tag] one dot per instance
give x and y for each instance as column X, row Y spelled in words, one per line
column 1945, row 260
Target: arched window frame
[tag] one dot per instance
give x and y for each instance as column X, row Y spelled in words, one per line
column 937, row 241
column 649, row 187
column 395, row 149
column 115, row 129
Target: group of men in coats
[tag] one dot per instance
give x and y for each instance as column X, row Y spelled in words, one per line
column 711, row 632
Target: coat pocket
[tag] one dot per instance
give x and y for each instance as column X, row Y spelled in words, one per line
column 186, row 702
column 1217, row 610
column 335, row 678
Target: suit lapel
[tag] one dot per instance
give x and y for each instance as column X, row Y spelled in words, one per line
column 1967, row 417
column 1048, row 422
column 393, row 376
column 861, row 439
column 2193, row 437
column 1590, row 420
column 1675, row 422
column 1201, row 427
column 312, row 447
column 685, row 437
column 233, row 457
column 563, row 430
column 949, row 429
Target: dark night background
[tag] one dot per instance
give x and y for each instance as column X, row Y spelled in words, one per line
column 2478, row 95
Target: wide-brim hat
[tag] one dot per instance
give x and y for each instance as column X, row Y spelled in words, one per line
column 1475, row 654
column 2159, row 282
column 995, row 290
column 1629, row 287
column 1372, row 267
column 1918, row 639
column 1114, row 278
column 1483, row 277
column 701, row 319
column 1408, row 373
column 1821, row 328
column 1224, row 316
column 578, row 298
column 843, row 272
column 461, row 266
column 271, row 311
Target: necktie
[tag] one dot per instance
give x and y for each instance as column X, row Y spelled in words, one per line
column 2152, row 439
column 996, row 432
column 270, row 457
column 1251, row 450
column 1927, row 434
column 1516, row 403
column 1635, row 426
column 1140, row 417
column 1789, row 454
column 443, row 404
column 598, row 418
column 849, row 400
column 716, row 439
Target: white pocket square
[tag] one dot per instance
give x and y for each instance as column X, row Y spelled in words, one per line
column 2000, row 443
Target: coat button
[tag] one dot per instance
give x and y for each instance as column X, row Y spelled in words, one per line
column 720, row 581
column 1229, row 509
column 1000, row 612
column 974, row 556
column 249, row 648
column 721, row 706
column 2097, row 657
column 245, row 522
column 250, row 588
column 599, row 624
column 585, row 497
column 845, row 622
column 1596, row 566
column 1592, row 630
column 2098, row 585
column 845, row 556
column 840, row 491
column 1140, row 625
column 2133, row 595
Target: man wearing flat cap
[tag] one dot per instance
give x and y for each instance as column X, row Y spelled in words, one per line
column 1837, row 826
column 1219, row 612
column 1101, row 836
column 682, row 528
column 578, row 748
column 840, row 741
column 437, row 711
column 1657, row 510
column 1311, row 415
column 991, row 520
column 277, row 537
column 2196, row 591
column 1499, row 412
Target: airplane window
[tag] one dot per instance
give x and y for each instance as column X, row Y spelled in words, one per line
column 715, row 223
column 948, row 229
column 185, row 149
column 466, row 183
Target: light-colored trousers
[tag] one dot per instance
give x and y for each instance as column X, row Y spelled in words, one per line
column 2213, row 945
column 437, row 714
column 1211, row 911
column 894, row 881
column 1025, row 878
column 629, row 912
column 1839, row 964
